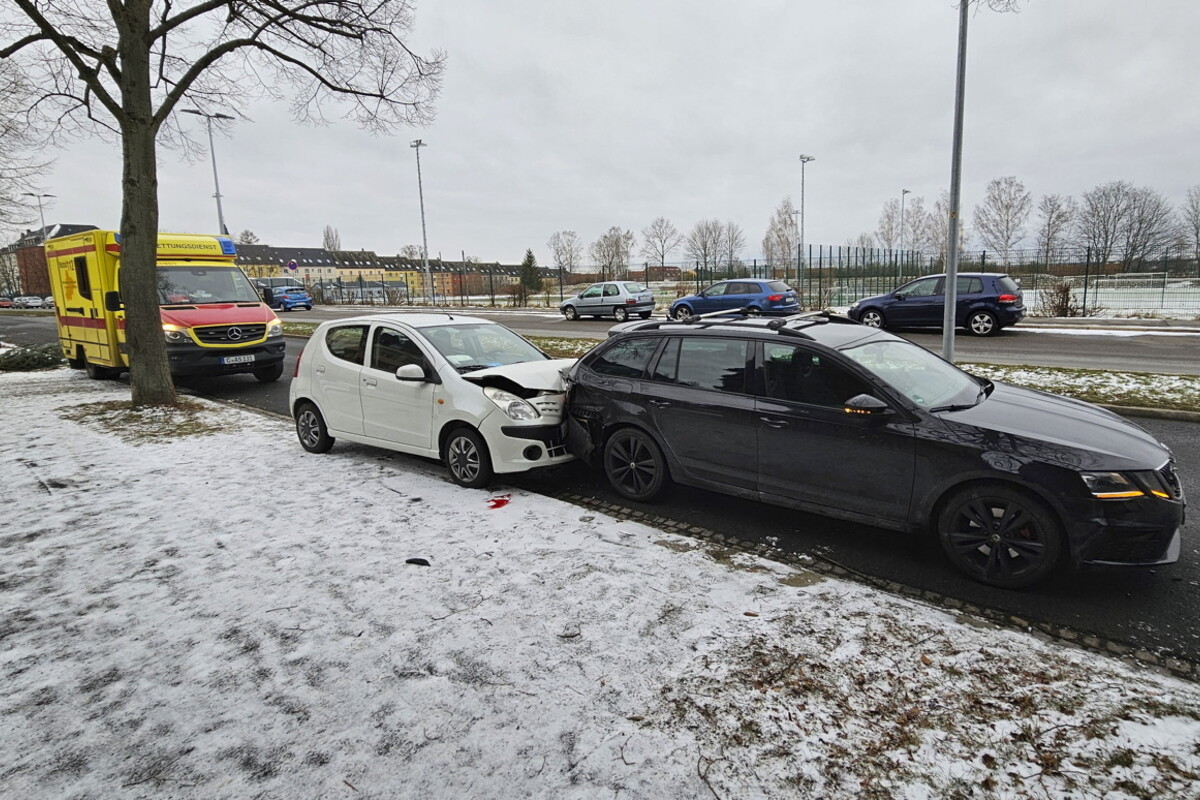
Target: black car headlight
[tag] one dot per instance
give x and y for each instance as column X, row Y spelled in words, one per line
column 1111, row 485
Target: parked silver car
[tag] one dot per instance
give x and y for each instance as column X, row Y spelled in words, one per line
column 620, row 299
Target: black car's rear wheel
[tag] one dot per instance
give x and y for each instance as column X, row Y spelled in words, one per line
column 982, row 323
column 1000, row 535
column 634, row 465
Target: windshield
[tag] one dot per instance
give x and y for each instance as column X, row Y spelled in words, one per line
column 472, row 347
column 918, row 374
column 192, row 284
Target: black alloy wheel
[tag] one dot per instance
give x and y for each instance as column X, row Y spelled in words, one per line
column 634, row 465
column 467, row 458
column 310, row 429
column 621, row 313
column 1000, row 536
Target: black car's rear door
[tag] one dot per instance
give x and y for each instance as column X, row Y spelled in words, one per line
column 812, row 451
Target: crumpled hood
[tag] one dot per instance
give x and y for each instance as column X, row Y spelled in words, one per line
column 217, row 314
column 544, row 376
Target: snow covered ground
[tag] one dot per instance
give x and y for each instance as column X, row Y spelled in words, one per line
column 193, row 607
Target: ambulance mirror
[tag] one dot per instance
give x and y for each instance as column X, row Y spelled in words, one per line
column 112, row 301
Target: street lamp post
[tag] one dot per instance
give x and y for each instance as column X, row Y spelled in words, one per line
column 804, row 159
column 417, row 144
column 208, row 118
column 41, row 215
column 900, row 267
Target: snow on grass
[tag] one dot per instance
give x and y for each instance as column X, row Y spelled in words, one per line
column 224, row 615
column 1142, row 389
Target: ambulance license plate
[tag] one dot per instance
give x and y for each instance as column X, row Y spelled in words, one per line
column 237, row 359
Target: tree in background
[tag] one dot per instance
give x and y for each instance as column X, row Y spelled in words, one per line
column 1101, row 217
column 411, row 251
column 733, row 242
column 124, row 69
column 781, row 242
column 247, row 237
column 331, row 239
column 1190, row 219
column 864, row 241
column 566, row 250
column 18, row 170
column 937, row 228
column 612, row 252
column 703, row 243
column 529, row 281
column 887, row 232
column 659, row 239
column 1001, row 217
column 1056, row 216
column 1151, row 225
column 919, row 231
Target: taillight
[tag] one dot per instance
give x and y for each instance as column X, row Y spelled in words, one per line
column 296, row 371
column 629, row 301
column 774, row 298
column 1008, row 298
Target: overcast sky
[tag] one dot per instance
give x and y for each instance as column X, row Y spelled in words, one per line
column 583, row 115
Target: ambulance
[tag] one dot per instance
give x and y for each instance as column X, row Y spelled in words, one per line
column 213, row 319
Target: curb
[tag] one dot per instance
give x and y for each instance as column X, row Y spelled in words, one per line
column 1166, row 663
column 1155, row 413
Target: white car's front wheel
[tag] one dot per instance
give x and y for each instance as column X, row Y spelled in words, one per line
column 467, row 458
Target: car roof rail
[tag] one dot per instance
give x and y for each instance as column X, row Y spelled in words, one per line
column 791, row 325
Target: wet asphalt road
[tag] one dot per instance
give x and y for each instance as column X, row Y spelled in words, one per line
column 1152, row 609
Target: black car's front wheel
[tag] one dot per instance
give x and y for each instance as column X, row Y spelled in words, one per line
column 634, row 465
column 1000, row 535
column 873, row 319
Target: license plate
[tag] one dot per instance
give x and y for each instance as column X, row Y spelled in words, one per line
column 237, row 359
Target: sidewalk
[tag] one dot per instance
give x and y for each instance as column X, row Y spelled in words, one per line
column 176, row 626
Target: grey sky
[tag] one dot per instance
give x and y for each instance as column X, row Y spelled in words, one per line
column 560, row 114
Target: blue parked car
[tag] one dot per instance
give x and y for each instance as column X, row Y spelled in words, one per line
column 987, row 302
column 758, row 296
column 287, row 298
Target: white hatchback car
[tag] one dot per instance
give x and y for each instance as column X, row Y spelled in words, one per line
column 464, row 390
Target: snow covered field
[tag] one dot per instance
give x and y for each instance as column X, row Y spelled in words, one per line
column 193, row 607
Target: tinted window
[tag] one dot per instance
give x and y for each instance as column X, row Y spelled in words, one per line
column 716, row 290
column 778, row 286
column 718, row 364
column 611, row 290
column 83, row 281
column 347, row 342
column 1007, row 285
column 668, row 363
column 625, row 359
column 970, row 285
column 391, row 349
column 799, row 375
column 926, row 287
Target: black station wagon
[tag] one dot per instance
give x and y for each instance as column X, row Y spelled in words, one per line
column 820, row 413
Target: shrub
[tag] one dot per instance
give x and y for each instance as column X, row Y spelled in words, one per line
column 1058, row 300
column 26, row 359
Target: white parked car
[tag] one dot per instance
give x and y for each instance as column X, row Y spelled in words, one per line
column 28, row 301
column 464, row 390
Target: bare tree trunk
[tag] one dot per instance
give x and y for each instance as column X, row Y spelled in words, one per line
column 149, row 374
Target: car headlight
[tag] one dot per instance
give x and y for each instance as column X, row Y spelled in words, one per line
column 854, row 304
column 512, row 406
column 1110, row 486
column 175, row 335
column 274, row 329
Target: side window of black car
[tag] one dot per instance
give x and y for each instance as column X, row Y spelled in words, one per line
column 716, row 364
column 798, row 375
column 625, row 359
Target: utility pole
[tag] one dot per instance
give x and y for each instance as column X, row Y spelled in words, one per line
column 950, row 292
column 213, row 153
column 417, row 144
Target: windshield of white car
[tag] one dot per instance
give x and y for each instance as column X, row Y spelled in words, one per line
column 920, row 375
column 469, row 347
column 192, row 285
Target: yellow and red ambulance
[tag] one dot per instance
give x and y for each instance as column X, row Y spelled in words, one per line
column 214, row 320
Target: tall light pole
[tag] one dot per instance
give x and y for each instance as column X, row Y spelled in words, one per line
column 950, row 292
column 902, row 193
column 804, row 159
column 41, row 215
column 417, row 144
column 212, row 152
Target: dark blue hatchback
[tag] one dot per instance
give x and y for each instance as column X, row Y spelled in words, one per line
column 987, row 302
column 757, row 296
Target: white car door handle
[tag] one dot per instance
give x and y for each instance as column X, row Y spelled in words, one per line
column 370, row 382
column 319, row 370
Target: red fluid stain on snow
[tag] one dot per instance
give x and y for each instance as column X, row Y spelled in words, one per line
column 499, row 501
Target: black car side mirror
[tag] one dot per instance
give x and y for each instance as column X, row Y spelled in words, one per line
column 112, row 301
column 865, row 405
column 898, row 295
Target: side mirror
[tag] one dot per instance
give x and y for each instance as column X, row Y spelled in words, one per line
column 112, row 301
column 864, row 405
column 411, row 372
column 898, row 295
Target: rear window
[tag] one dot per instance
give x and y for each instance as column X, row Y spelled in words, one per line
column 625, row 359
column 778, row 286
column 1007, row 285
column 634, row 288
